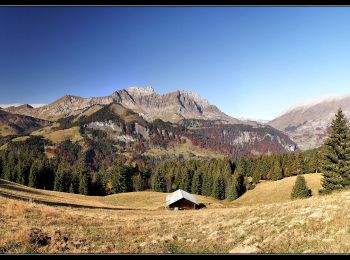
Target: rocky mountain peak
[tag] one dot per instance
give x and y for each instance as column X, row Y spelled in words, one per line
column 140, row 91
column 171, row 107
column 195, row 97
column 26, row 106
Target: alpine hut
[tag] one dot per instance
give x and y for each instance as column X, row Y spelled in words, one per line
column 181, row 199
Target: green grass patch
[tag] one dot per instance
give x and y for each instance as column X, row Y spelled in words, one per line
column 4, row 147
column 20, row 138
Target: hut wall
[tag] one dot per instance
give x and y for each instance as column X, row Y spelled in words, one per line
column 183, row 204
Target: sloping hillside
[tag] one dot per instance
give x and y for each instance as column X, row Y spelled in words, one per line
column 277, row 191
column 147, row 200
column 12, row 124
column 307, row 124
column 313, row 225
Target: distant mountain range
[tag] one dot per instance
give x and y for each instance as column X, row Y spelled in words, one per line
column 139, row 115
column 171, row 107
column 20, row 104
column 307, row 124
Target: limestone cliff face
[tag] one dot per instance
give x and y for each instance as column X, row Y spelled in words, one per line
column 171, row 107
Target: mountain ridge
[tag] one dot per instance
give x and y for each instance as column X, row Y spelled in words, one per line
column 307, row 125
column 172, row 106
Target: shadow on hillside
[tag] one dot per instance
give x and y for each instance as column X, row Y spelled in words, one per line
column 201, row 206
column 14, row 187
column 50, row 203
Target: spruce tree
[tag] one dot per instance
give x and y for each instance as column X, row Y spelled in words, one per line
column 1, row 166
column 336, row 155
column 9, row 166
column 119, row 177
column 236, row 187
column 218, row 188
column 80, row 179
column 99, row 185
column 48, row 176
column 71, row 188
column 300, row 189
column 85, row 184
column 197, row 183
column 137, row 182
column 186, row 180
column 158, row 182
column 207, row 183
column 299, row 165
column 258, row 171
column 35, row 174
column 277, row 171
column 63, row 177
column 23, row 171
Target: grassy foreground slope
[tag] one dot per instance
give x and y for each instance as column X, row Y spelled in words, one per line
column 146, row 200
column 277, row 191
column 318, row 224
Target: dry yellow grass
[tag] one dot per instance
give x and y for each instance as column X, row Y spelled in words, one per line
column 137, row 223
column 6, row 130
column 148, row 200
column 313, row 225
column 61, row 135
column 45, row 130
column 187, row 150
column 278, row 191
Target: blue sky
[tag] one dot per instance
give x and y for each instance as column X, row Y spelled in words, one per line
column 249, row 61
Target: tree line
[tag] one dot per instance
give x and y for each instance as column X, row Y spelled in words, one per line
column 98, row 170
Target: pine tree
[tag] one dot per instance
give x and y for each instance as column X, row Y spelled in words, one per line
column 336, row 155
column 48, row 176
column 299, row 165
column 81, row 179
column 35, row 174
column 300, row 189
column 277, row 171
column 9, row 166
column 23, row 170
column 258, row 171
column 236, row 187
column 1, row 167
column 85, row 183
column 99, row 188
column 207, row 183
column 75, row 184
column 119, row 178
column 218, row 188
column 186, row 180
column 63, row 177
column 137, row 182
column 197, row 183
column 158, row 182
column 71, row 188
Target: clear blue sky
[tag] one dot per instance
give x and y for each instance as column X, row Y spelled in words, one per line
column 249, row 61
